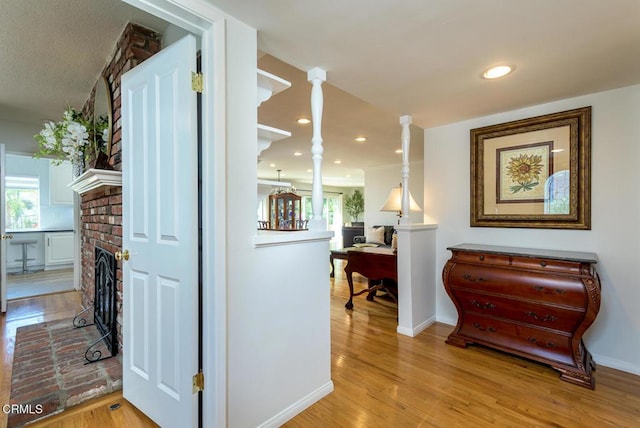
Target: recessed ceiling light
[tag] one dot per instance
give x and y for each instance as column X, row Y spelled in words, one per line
column 304, row 121
column 338, row 161
column 309, row 170
column 272, row 165
column 348, row 176
column 399, row 151
column 297, row 153
column 498, row 71
column 361, row 139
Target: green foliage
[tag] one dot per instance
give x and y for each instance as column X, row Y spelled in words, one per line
column 354, row 204
column 19, row 210
column 75, row 138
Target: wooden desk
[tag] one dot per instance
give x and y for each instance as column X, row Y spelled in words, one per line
column 376, row 264
column 340, row 254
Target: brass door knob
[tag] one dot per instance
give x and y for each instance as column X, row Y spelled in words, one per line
column 3, row 237
column 122, row 255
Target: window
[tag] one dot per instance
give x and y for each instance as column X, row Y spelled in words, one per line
column 331, row 211
column 22, row 203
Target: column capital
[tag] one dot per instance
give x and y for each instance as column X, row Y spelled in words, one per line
column 316, row 73
column 405, row 120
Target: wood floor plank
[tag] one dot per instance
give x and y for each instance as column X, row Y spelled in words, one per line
column 383, row 379
column 39, row 283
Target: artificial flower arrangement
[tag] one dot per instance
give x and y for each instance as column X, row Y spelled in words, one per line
column 75, row 138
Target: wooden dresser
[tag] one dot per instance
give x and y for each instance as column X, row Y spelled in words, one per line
column 532, row 303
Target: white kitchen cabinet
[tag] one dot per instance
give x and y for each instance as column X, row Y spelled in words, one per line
column 34, row 251
column 59, row 178
column 58, row 249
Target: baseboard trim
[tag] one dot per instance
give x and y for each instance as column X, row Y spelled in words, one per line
column 413, row 332
column 612, row 363
column 299, row 406
column 600, row 360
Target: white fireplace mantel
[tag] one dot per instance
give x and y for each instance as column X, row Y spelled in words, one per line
column 95, row 178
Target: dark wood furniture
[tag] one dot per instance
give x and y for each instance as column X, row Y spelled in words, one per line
column 340, row 254
column 349, row 232
column 532, row 303
column 285, row 212
column 377, row 264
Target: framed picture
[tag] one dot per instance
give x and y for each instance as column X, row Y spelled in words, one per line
column 533, row 172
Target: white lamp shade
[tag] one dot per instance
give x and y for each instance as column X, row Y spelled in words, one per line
column 394, row 201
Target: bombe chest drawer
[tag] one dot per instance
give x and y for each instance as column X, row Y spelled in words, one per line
column 532, row 303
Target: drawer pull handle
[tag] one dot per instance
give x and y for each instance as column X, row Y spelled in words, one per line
column 557, row 290
column 468, row 278
column 543, row 263
column 543, row 344
column 548, row 318
column 479, row 327
column 487, row 305
column 481, row 258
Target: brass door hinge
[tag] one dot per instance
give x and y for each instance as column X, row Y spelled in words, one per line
column 198, row 382
column 197, row 84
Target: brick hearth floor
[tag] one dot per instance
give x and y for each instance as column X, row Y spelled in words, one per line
column 49, row 370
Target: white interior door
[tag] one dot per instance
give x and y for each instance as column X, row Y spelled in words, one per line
column 160, row 231
column 3, row 235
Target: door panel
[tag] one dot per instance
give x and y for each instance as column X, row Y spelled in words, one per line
column 160, row 200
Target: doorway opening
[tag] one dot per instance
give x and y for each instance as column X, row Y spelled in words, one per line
column 39, row 213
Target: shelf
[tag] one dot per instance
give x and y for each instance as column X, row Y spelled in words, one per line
column 274, row 238
column 269, row 85
column 95, row 178
column 267, row 135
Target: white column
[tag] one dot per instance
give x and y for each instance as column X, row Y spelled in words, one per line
column 416, row 277
column 405, row 121
column 317, row 76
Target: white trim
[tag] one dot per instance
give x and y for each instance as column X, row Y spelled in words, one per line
column 95, row 178
column 612, row 363
column 268, row 238
column 416, row 226
column 600, row 360
column 203, row 19
column 299, row 406
column 413, row 332
column 447, row 320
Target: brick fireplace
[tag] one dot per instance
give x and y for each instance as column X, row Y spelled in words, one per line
column 101, row 209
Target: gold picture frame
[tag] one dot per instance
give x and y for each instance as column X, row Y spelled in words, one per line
column 533, row 173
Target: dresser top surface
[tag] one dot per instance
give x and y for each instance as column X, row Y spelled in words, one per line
column 527, row 252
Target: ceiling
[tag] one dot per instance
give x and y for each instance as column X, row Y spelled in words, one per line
column 383, row 59
column 344, row 118
column 53, row 51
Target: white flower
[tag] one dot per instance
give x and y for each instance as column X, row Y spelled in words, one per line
column 48, row 135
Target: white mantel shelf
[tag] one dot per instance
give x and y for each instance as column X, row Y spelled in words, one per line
column 95, row 178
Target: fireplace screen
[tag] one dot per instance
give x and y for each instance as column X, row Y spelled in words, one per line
column 104, row 307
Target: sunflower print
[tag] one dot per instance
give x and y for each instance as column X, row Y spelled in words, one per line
column 524, row 170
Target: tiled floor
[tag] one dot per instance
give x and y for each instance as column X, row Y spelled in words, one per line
column 49, row 370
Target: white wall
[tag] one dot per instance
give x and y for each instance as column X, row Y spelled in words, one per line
column 614, row 338
column 278, row 319
column 18, row 137
column 378, row 183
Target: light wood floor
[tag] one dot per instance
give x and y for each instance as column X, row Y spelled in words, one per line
column 39, row 283
column 383, row 379
column 96, row 413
